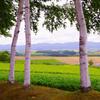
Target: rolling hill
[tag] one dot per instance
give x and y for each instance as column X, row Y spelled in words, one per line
column 92, row 46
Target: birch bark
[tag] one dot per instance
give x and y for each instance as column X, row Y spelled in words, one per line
column 85, row 79
column 14, row 41
column 28, row 44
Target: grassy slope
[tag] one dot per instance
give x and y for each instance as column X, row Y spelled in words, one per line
column 52, row 73
column 17, row 92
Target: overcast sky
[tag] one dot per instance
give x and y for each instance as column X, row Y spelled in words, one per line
column 70, row 34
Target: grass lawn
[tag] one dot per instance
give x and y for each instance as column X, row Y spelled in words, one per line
column 52, row 73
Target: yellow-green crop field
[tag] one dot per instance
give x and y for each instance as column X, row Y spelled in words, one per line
column 52, row 73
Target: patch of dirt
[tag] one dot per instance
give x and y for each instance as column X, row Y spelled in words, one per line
column 66, row 60
column 18, row 92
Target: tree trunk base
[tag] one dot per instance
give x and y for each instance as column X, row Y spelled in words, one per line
column 27, row 86
column 11, row 82
column 85, row 89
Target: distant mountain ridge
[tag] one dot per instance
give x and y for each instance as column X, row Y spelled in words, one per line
column 55, row 46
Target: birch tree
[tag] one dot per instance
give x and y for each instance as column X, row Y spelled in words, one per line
column 58, row 20
column 35, row 14
column 84, row 74
column 14, row 41
column 28, row 44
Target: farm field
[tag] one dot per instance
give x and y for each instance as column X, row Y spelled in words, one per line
column 52, row 73
column 67, row 60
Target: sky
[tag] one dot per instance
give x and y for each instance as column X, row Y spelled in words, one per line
column 70, row 34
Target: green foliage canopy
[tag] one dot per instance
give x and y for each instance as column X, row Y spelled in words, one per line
column 6, row 16
column 91, row 10
column 54, row 15
column 92, row 14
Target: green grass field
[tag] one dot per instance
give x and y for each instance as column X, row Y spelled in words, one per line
column 52, row 73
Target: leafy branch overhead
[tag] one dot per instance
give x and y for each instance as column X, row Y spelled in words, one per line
column 91, row 10
column 54, row 15
column 92, row 14
column 7, row 17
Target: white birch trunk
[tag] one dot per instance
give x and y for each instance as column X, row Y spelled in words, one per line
column 85, row 79
column 28, row 44
column 14, row 41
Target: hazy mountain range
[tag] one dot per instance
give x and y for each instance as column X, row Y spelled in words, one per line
column 55, row 46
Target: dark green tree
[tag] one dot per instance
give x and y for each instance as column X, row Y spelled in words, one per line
column 6, row 17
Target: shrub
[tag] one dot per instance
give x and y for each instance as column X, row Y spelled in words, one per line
column 5, row 56
column 91, row 62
